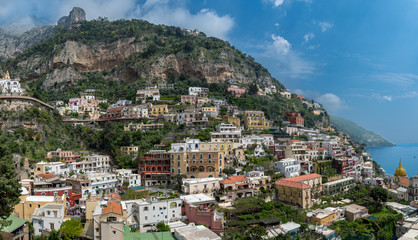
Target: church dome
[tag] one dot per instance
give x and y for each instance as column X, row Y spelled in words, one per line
column 400, row 171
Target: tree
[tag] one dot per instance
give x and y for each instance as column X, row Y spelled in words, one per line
column 229, row 171
column 379, row 194
column 54, row 235
column 253, row 89
column 162, row 227
column 9, row 188
column 71, row 229
column 257, row 232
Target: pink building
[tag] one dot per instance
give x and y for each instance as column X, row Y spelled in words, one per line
column 77, row 101
column 188, row 99
column 236, row 91
column 236, row 187
column 201, row 209
column 66, row 156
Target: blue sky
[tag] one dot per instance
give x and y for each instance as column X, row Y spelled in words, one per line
column 358, row 58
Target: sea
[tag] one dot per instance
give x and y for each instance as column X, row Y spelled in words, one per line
column 389, row 157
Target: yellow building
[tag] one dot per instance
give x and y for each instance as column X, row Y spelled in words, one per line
column 28, row 204
column 255, row 120
column 210, row 111
column 129, row 150
column 158, row 110
column 321, row 217
column 400, row 173
column 199, row 164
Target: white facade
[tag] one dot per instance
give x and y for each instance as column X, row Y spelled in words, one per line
column 208, row 186
column 10, row 86
column 103, row 182
column 188, row 146
column 93, row 163
column 48, row 217
column 126, row 175
column 150, row 213
column 197, row 90
column 288, row 166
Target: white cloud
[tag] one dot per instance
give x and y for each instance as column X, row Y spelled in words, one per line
column 280, row 45
column 167, row 12
column 308, row 36
column 278, row 2
column 401, row 79
column 325, row 26
column 389, row 98
column 331, row 102
column 207, row 21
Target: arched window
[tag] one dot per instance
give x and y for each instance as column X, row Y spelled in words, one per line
column 173, row 205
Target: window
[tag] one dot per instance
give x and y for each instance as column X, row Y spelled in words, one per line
column 178, row 170
column 51, row 226
column 146, row 218
column 114, row 232
column 145, row 208
column 201, row 156
column 173, row 205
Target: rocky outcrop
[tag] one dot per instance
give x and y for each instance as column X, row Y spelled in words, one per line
column 61, row 77
column 12, row 45
column 76, row 15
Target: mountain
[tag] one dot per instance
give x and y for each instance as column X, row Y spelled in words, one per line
column 359, row 134
column 134, row 51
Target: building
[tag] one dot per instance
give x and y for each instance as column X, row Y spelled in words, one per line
column 201, row 209
column 18, row 229
column 158, row 110
column 155, row 168
column 338, row 187
column 91, row 164
column 61, row 155
column 210, row 111
column 28, row 204
column 208, row 186
column 321, row 217
column 354, row 211
column 153, row 211
column 188, row 99
column 142, row 95
column 108, row 220
column 103, row 182
column 126, row 176
column 236, row 91
column 255, row 120
column 130, row 150
column 133, row 127
column 400, row 174
column 295, row 119
column 192, row 232
column 199, row 164
column 198, row 91
column 286, row 94
column 47, row 218
column 9, row 86
column 413, row 189
column 226, row 133
column 289, row 167
column 300, row 190
column 236, row 187
column 232, row 120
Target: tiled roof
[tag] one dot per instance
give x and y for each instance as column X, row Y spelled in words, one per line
column 114, row 207
column 234, row 179
column 292, row 184
column 47, row 175
column 404, row 181
column 114, row 196
column 303, row 177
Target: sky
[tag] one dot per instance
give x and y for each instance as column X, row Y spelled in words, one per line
column 358, row 58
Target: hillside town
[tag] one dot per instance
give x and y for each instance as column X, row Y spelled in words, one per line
column 205, row 188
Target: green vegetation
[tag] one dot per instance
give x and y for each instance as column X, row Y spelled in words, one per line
column 71, row 229
column 9, row 187
column 359, row 134
column 162, row 227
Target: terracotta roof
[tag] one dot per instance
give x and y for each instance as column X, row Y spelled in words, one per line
column 47, row 175
column 303, row 177
column 114, row 196
column 292, row 184
column 404, row 181
column 114, row 207
column 295, row 140
column 320, row 149
column 234, row 179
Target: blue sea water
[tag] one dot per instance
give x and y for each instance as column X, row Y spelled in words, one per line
column 388, row 158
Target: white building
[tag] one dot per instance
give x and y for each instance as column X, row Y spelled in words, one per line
column 197, row 90
column 103, row 182
column 48, row 217
column 208, row 186
column 288, row 166
column 188, row 146
column 193, row 232
column 10, row 86
column 126, row 175
column 93, row 163
column 150, row 212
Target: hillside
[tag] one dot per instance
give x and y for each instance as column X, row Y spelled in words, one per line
column 130, row 51
column 359, row 134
